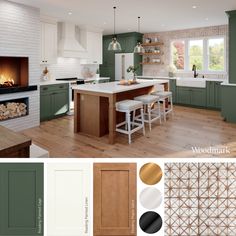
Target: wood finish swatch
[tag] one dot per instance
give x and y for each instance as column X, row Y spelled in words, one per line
column 114, row 199
column 200, row 199
column 68, row 199
column 21, row 199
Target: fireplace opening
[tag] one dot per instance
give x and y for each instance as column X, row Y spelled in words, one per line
column 15, row 108
column 14, row 72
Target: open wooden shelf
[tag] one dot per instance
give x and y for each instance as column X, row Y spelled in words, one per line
column 152, row 44
column 150, row 63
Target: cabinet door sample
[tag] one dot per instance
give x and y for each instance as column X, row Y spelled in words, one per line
column 114, row 199
column 68, row 199
column 21, row 199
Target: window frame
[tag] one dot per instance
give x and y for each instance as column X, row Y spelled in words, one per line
column 205, row 54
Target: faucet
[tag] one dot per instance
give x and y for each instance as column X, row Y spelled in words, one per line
column 195, row 74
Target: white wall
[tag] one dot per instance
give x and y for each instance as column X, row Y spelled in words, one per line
column 19, row 36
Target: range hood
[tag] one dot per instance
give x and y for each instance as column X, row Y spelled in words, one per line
column 69, row 45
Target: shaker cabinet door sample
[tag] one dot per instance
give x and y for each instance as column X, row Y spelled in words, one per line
column 21, row 199
column 68, row 199
column 114, row 199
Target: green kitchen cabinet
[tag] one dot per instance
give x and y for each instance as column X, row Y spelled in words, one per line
column 232, row 46
column 128, row 42
column 54, row 101
column 213, row 94
column 21, row 199
column 191, row 96
column 172, row 84
column 198, row 97
column 228, row 110
column 183, row 95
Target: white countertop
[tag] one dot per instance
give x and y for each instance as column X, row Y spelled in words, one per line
column 228, row 84
column 114, row 87
column 177, row 78
column 51, row 82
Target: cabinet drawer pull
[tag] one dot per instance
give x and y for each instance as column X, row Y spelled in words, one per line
column 45, row 88
column 61, row 86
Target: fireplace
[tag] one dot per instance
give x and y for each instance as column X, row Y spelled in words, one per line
column 14, row 75
column 14, row 108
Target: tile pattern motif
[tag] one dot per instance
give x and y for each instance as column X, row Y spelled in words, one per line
column 200, row 199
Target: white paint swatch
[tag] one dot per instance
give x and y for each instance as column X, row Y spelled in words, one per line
column 150, row 198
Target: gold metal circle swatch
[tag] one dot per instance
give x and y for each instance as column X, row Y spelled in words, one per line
column 150, row 173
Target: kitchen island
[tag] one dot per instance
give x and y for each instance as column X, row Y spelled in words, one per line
column 95, row 105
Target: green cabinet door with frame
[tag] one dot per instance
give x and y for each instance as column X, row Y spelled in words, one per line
column 54, row 101
column 21, row 199
column 45, row 106
column 183, row 95
column 198, row 97
column 213, row 94
column 60, row 103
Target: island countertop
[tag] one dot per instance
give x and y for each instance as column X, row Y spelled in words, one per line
column 115, row 87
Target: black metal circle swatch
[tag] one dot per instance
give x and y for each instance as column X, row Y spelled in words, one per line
column 150, row 222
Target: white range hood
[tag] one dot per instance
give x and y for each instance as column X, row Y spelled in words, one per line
column 69, row 45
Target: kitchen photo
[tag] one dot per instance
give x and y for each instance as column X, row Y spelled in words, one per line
column 117, row 78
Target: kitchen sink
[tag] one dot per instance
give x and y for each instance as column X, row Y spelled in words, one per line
column 191, row 82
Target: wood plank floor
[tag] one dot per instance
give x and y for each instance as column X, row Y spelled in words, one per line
column 188, row 128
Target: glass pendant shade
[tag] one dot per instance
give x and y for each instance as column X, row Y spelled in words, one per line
column 139, row 48
column 114, row 45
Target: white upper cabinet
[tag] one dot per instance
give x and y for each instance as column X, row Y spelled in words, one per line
column 93, row 42
column 48, row 43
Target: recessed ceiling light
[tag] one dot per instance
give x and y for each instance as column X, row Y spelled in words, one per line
column 104, row 23
column 206, row 18
column 70, row 13
column 194, row 7
column 162, row 25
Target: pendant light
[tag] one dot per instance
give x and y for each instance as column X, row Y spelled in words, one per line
column 139, row 48
column 114, row 44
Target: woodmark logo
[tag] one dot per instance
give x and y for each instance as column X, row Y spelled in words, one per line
column 211, row 150
column 132, row 217
column 40, row 216
column 86, row 216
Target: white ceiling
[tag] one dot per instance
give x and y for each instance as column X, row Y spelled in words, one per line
column 156, row 15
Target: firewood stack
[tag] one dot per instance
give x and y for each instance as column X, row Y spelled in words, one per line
column 12, row 110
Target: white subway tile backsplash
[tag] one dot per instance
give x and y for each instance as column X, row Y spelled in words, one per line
column 20, row 35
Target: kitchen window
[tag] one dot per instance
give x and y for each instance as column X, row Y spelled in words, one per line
column 208, row 54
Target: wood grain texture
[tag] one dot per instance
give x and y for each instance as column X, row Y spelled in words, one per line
column 13, row 144
column 189, row 127
column 114, row 199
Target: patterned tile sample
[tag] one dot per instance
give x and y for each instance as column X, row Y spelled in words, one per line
column 200, row 199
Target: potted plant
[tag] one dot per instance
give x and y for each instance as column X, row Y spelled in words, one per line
column 133, row 69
